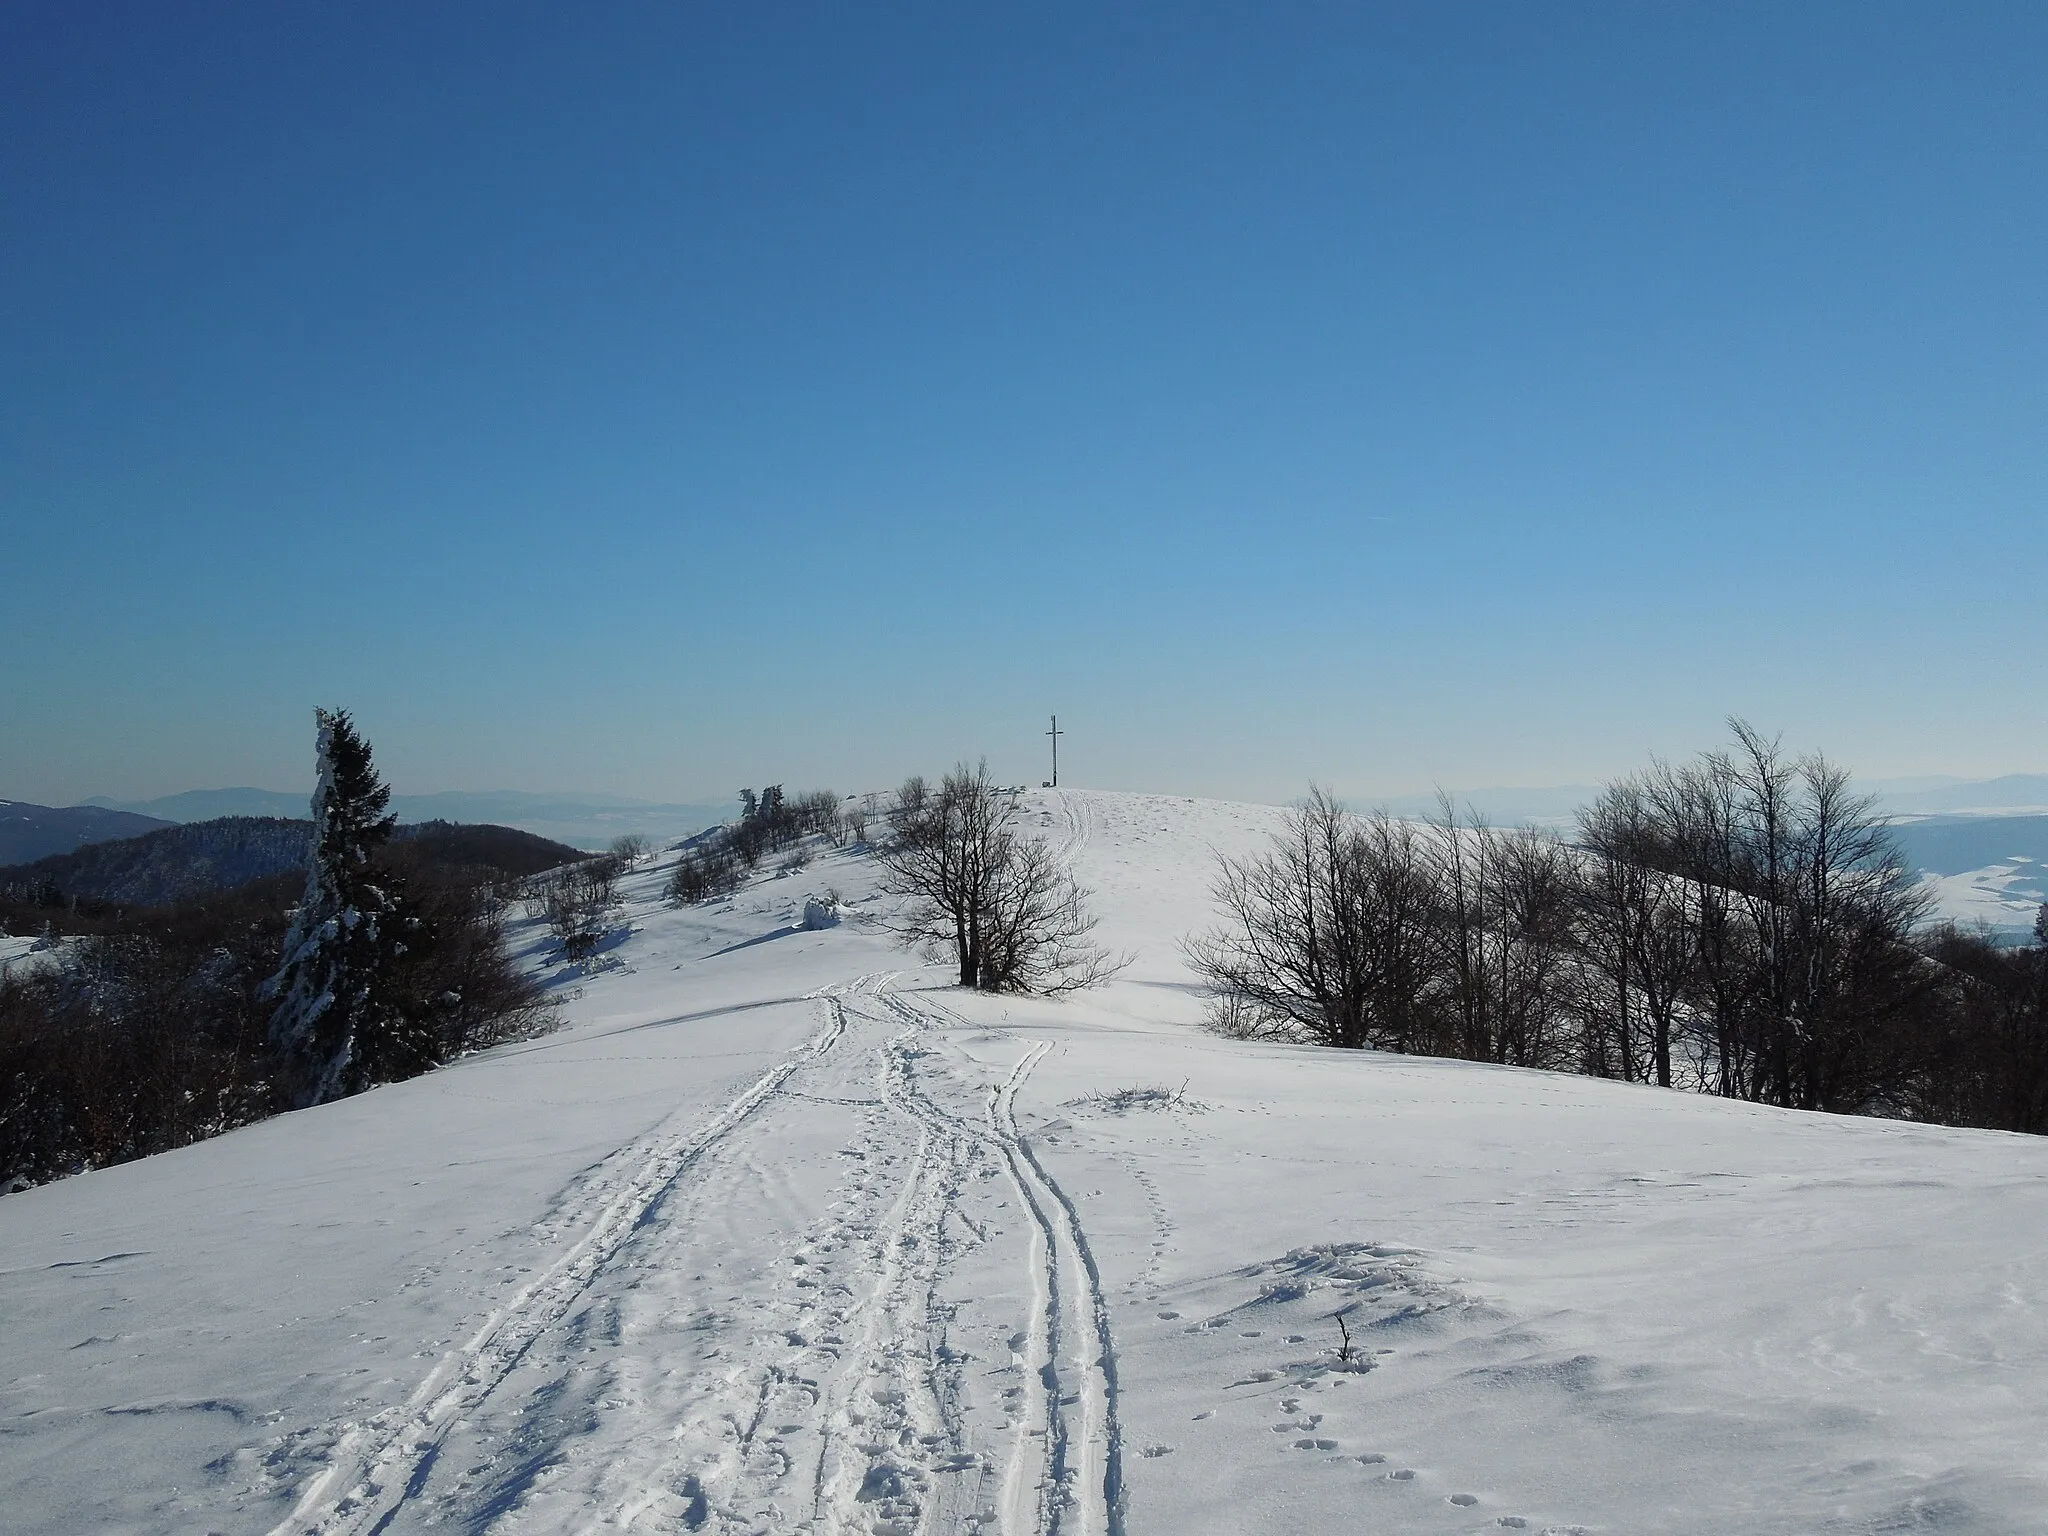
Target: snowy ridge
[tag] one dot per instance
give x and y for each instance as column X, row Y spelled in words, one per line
column 782, row 1234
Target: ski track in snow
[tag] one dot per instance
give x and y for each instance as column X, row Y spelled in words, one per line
column 1079, row 816
column 830, row 1399
column 378, row 1465
column 1075, row 1484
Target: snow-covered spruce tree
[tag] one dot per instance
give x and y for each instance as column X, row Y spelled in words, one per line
column 339, row 1026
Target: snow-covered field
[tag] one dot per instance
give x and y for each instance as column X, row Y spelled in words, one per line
column 2002, row 898
column 780, row 1234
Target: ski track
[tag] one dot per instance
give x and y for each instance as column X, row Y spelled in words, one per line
column 1077, row 1488
column 1080, row 826
column 847, row 1350
column 831, row 1400
column 382, row 1463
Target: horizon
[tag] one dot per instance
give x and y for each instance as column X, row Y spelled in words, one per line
column 1376, row 397
column 600, row 798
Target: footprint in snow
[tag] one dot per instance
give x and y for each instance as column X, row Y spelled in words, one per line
column 1464, row 1500
column 1158, row 1450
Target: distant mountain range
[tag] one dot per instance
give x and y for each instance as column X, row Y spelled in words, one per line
column 582, row 820
column 2012, row 792
column 30, row 832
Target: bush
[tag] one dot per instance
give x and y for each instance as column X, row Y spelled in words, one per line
column 706, row 872
column 577, row 903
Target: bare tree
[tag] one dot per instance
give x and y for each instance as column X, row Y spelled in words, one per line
column 1633, row 935
column 1035, row 935
column 1504, row 937
column 1993, row 1022
column 1325, row 935
column 999, row 904
column 943, row 849
column 577, row 902
column 1742, row 924
column 1772, row 928
column 705, row 871
column 818, row 812
column 1529, row 936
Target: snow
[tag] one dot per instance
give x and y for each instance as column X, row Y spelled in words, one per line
column 779, row 1233
column 2003, row 898
column 22, row 951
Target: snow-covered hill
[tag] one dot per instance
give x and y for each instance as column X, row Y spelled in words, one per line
column 780, row 1234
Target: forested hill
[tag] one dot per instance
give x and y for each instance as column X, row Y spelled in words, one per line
column 37, row 831
column 179, row 862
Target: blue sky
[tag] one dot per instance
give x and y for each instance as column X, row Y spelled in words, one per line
column 661, row 398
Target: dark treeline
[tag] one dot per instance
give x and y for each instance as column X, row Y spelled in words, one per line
column 174, row 863
column 1741, row 925
column 148, row 1027
column 177, row 863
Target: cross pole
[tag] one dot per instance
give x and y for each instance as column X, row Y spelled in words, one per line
column 1055, row 733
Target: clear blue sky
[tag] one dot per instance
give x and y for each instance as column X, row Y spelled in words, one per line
column 661, row 398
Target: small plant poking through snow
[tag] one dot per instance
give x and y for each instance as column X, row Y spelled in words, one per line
column 1118, row 1101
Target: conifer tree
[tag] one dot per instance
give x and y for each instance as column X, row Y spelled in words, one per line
column 339, row 1025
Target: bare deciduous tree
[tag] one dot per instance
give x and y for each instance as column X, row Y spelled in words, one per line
column 1325, row 935
column 577, row 902
column 1035, row 934
column 1001, row 905
column 1634, row 936
column 1742, row 924
column 704, row 871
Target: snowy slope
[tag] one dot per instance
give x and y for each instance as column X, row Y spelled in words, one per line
column 781, row 1235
